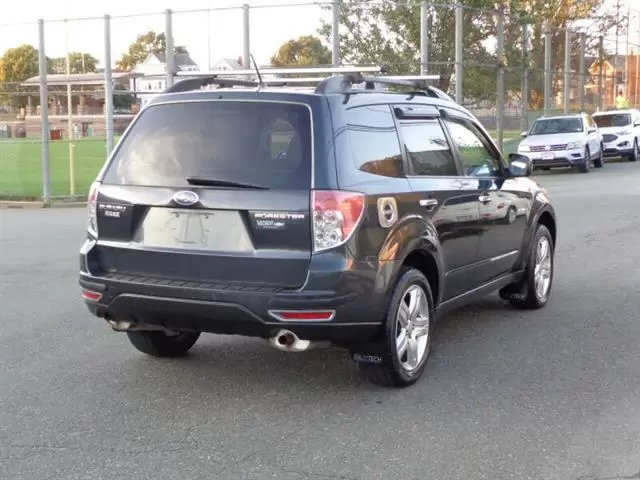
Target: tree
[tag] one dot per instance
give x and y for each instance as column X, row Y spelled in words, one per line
column 146, row 43
column 17, row 65
column 388, row 32
column 560, row 15
column 303, row 51
column 79, row 62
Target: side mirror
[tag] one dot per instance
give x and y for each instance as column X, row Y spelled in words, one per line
column 524, row 134
column 637, row 124
column 520, row 165
column 592, row 130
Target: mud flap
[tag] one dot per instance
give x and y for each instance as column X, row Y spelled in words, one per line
column 515, row 291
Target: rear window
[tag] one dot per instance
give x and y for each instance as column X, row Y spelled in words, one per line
column 612, row 120
column 267, row 144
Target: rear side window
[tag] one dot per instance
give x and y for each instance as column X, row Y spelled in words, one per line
column 374, row 140
column 428, row 149
column 260, row 143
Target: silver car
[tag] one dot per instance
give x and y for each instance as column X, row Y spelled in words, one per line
column 564, row 141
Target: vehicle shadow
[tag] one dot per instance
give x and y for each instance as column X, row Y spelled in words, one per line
column 230, row 366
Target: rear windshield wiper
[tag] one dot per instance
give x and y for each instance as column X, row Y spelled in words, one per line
column 213, row 182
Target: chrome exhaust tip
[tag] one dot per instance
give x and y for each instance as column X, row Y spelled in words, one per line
column 288, row 341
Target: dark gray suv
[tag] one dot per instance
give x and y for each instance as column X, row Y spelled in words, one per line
column 348, row 214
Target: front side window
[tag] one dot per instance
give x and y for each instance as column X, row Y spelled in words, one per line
column 476, row 155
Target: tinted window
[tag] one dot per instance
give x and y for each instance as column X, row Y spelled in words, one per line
column 374, row 140
column 477, row 157
column 549, row 126
column 267, row 144
column 613, row 120
column 427, row 149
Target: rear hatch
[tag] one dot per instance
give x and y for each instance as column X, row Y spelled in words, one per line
column 214, row 190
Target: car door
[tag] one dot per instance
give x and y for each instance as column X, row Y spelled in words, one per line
column 504, row 202
column 445, row 201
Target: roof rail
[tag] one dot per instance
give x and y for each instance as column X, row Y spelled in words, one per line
column 287, row 71
column 344, row 83
column 199, row 82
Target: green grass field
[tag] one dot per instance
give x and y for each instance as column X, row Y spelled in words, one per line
column 21, row 165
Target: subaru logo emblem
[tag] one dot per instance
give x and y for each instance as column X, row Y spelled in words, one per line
column 185, row 198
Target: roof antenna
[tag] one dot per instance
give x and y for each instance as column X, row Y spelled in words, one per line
column 255, row 65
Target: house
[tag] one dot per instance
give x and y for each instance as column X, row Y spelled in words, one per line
column 150, row 76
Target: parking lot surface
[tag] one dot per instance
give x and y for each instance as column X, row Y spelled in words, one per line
column 550, row 394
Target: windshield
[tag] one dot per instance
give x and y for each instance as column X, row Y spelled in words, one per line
column 549, row 126
column 217, row 143
column 613, row 120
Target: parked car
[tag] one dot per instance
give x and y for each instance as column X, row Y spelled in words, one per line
column 564, row 141
column 350, row 216
column 620, row 131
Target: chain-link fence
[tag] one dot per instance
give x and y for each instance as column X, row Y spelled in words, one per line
column 507, row 66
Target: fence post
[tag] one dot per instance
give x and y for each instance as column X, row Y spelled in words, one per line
column 547, row 68
column 567, row 68
column 44, row 113
column 583, row 49
column 424, row 38
column 246, row 37
column 459, row 69
column 525, row 77
column 335, row 34
column 601, row 73
column 500, row 92
column 170, row 67
column 108, row 84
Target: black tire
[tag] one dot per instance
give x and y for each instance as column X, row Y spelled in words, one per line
column 599, row 162
column 159, row 344
column 585, row 166
column 524, row 294
column 391, row 372
column 634, row 156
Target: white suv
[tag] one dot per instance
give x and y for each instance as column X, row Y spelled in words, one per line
column 620, row 131
column 564, row 141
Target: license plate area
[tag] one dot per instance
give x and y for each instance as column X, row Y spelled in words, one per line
column 208, row 230
column 547, row 156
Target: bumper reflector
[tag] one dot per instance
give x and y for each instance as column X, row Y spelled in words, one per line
column 91, row 296
column 303, row 315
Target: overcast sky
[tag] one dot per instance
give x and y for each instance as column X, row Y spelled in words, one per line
column 270, row 26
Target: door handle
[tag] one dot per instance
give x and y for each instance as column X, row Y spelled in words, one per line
column 484, row 198
column 428, row 202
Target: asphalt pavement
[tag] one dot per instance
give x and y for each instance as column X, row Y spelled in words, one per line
column 550, row 394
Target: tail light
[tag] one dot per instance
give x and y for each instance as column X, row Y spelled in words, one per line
column 336, row 215
column 92, row 207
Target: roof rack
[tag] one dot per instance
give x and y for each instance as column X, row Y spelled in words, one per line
column 345, row 83
column 287, row 71
column 200, row 82
column 342, row 80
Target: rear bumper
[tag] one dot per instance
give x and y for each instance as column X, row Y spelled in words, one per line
column 358, row 304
